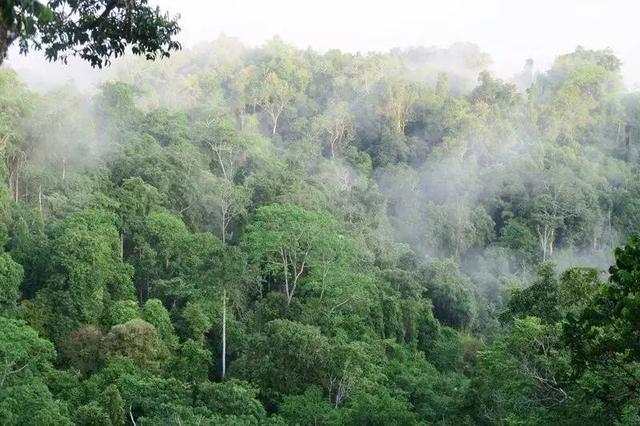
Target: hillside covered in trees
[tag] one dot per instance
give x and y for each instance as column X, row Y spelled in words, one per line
column 256, row 236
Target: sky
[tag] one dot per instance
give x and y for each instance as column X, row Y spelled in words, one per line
column 509, row 30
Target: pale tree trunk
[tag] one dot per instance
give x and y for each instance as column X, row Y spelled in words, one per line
column 12, row 186
column 610, row 228
column 285, row 265
column 546, row 236
column 224, row 334
column 17, row 187
column 297, row 273
column 346, row 181
column 12, row 177
column 274, row 119
column 216, row 149
column 225, row 220
column 133, row 421
column 13, row 164
column 366, row 85
column 336, row 137
column 342, row 384
column 274, row 114
column 224, row 226
column 291, row 284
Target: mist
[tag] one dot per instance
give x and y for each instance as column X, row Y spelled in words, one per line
column 509, row 31
column 349, row 213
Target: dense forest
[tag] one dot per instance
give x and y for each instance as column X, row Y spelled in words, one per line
column 244, row 236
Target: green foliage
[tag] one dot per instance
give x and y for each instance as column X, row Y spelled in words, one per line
column 434, row 396
column 309, row 408
column 122, row 311
column 24, row 354
column 523, row 376
column 92, row 414
column 287, row 358
column 93, row 31
column 191, row 363
column 155, row 314
column 11, row 274
column 135, row 339
column 31, row 403
column 25, row 357
column 380, row 408
column 520, row 240
column 450, row 293
column 85, row 271
column 362, row 239
column 113, row 405
column 289, row 241
column 539, row 300
column 196, row 322
column 231, row 398
column 602, row 336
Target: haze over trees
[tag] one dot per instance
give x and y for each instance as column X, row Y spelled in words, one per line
column 397, row 238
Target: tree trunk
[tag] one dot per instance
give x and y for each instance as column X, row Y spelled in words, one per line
column 17, row 187
column 610, row 227
column 224, row 334
column 133, row 421
column 274, row 120
column 224, row 226
column 12, row 189
column 546, row 236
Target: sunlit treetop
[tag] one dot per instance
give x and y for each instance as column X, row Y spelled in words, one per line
column 94, row 30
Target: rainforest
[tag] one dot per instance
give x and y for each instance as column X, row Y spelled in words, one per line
column 273, row 235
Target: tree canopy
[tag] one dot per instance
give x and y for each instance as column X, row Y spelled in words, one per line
column 280, row 236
